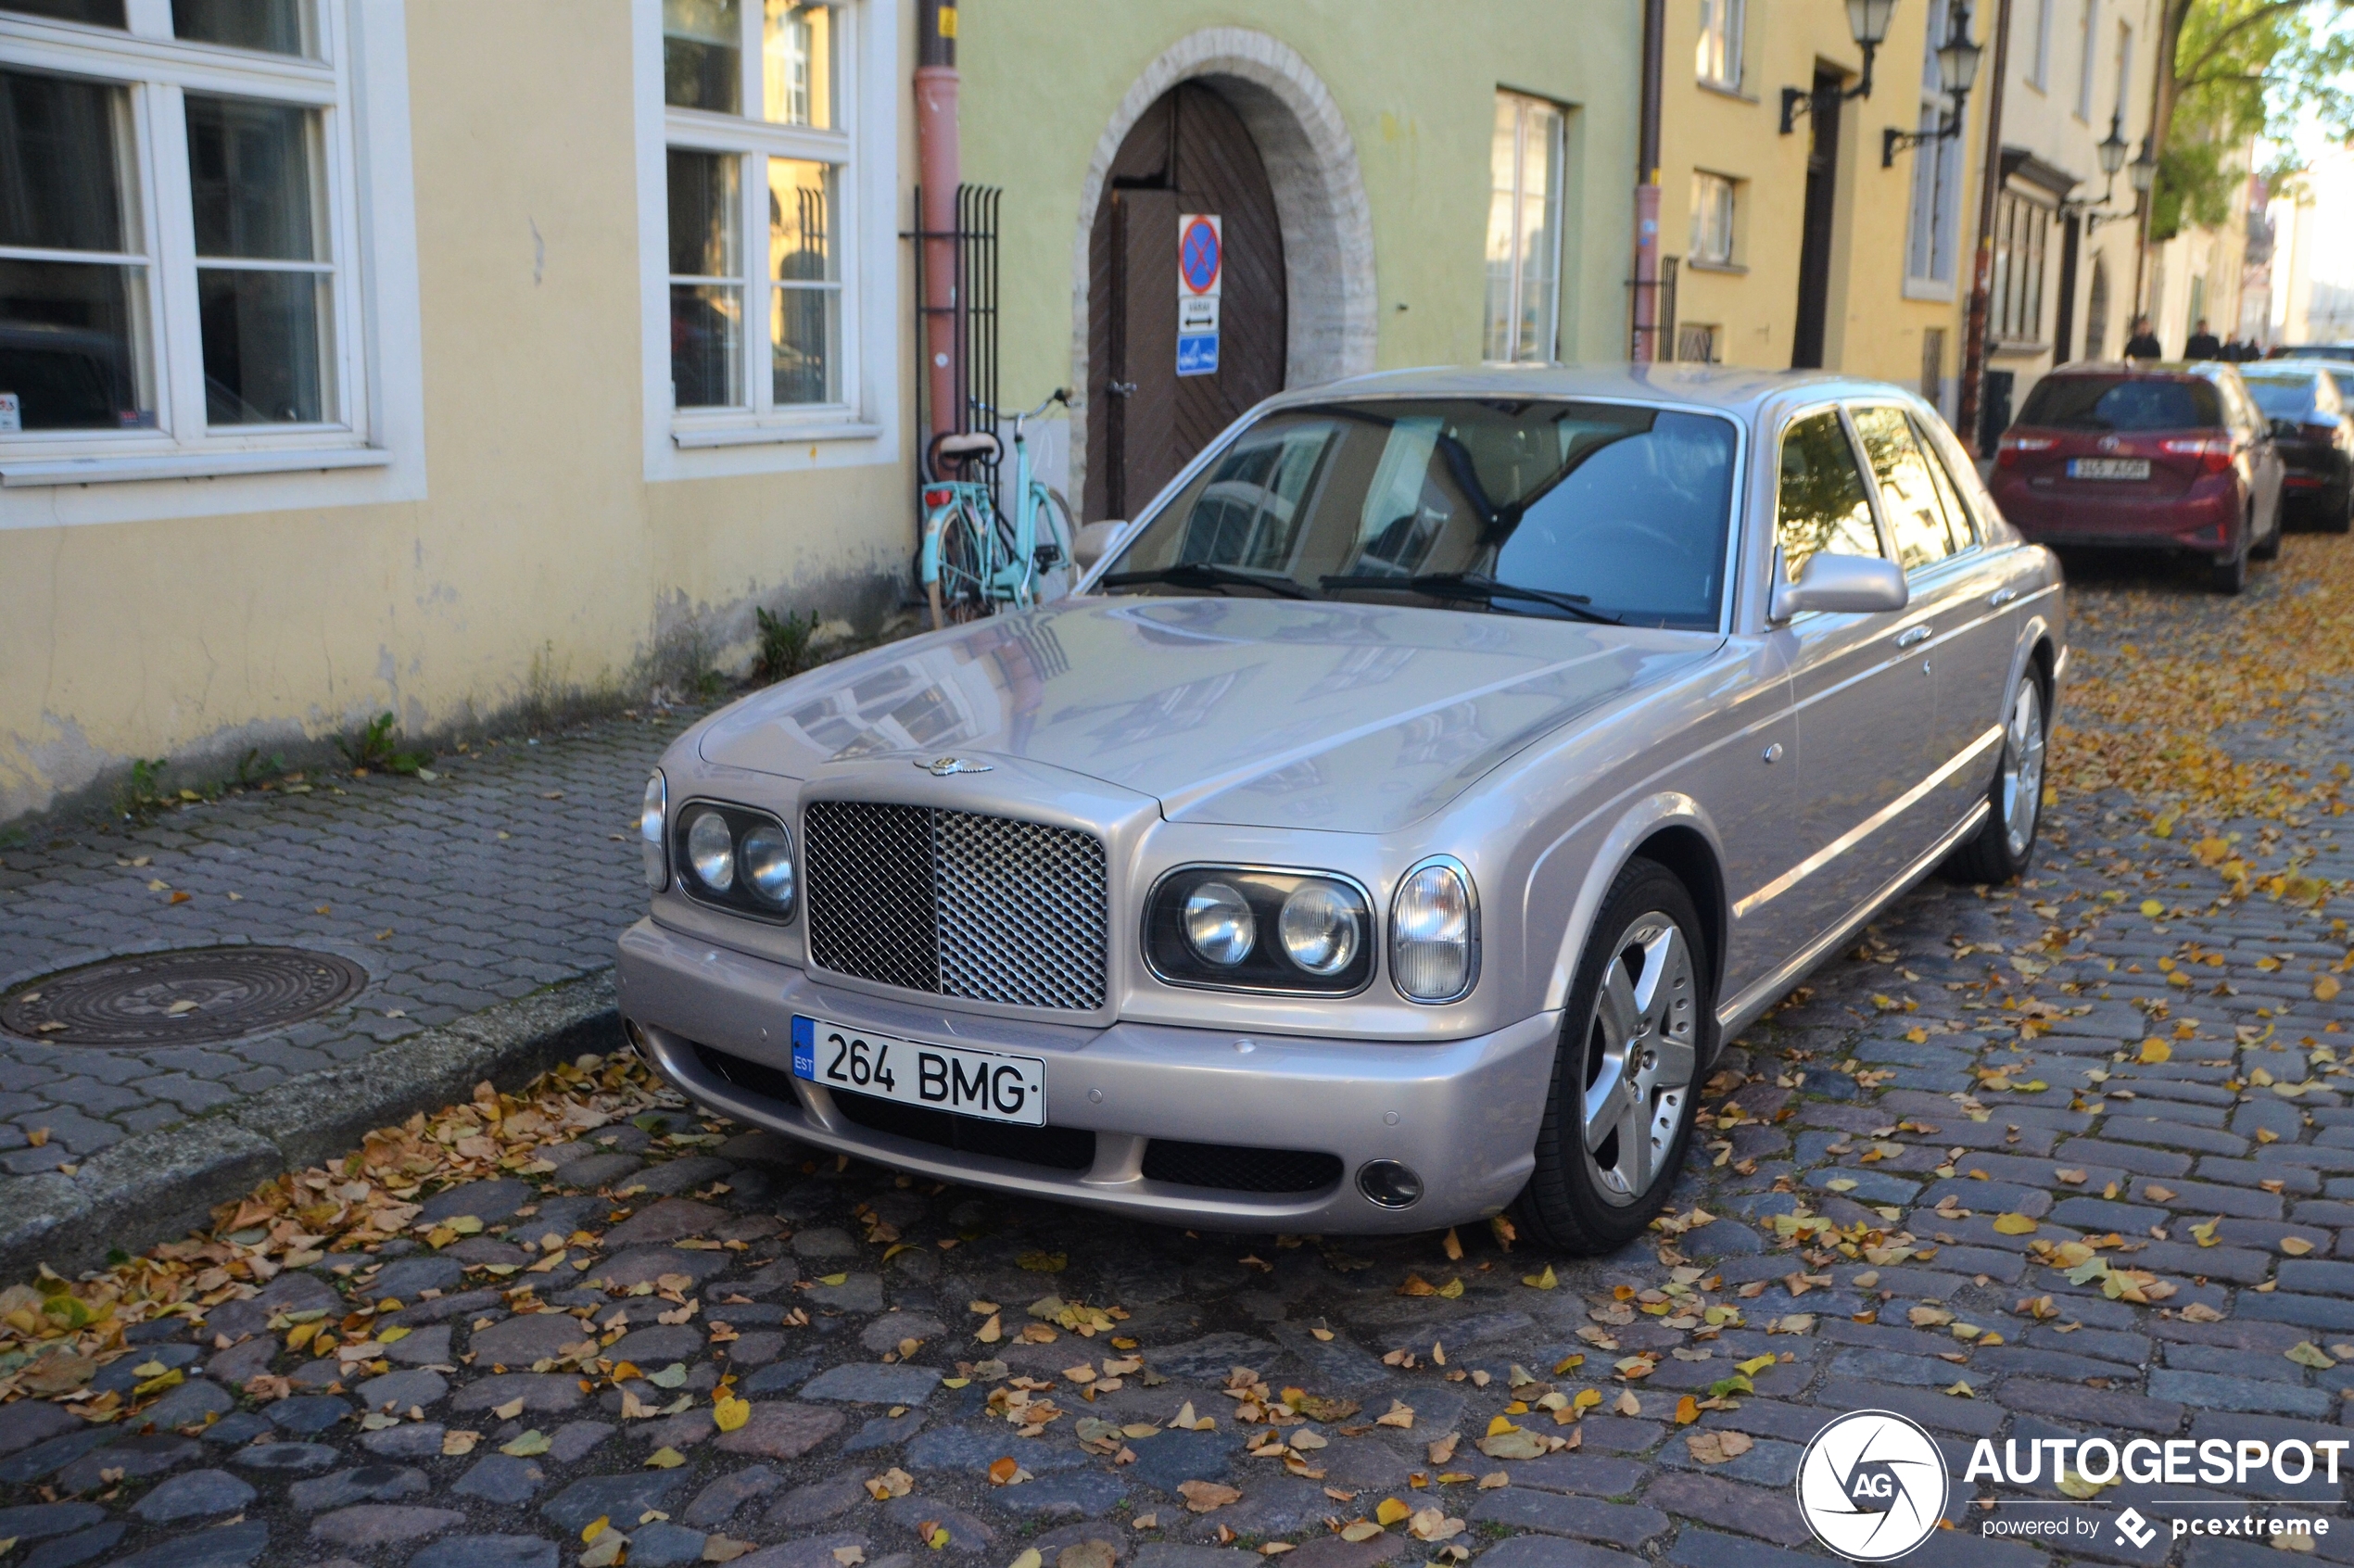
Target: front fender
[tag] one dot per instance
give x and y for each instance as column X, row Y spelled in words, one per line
column 1637, row 823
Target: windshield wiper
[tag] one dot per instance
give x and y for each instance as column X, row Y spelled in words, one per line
column 1471, row 584
column 1205, row 575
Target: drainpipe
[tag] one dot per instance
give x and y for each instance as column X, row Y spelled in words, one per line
column 1646, row 334
column 939, row 168
column 1981, row 280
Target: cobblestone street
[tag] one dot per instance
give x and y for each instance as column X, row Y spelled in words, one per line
column 2069, row 1158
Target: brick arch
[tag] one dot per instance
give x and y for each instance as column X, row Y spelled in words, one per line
column 1320, row 201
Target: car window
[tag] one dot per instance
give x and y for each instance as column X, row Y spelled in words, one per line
column 1623, row 510
column 1820, row 506
column 2110, row 402
column 1908, row 496
column 2286, row 397
column 1949, row 496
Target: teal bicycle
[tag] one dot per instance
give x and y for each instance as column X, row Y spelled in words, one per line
column 976, row 561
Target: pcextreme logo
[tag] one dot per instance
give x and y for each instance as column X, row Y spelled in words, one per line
column 1872, row 1485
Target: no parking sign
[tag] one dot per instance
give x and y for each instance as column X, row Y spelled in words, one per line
column 1201, row 266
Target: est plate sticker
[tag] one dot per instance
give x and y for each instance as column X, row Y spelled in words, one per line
column 990, row 1084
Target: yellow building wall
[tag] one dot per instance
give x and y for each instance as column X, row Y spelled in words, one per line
column 1871, row 328
column 539, row 565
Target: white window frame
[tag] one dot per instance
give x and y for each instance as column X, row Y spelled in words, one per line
column 1729, row 258
column 2039, row 69
column 1558, row 196
column 1722, row 24
column 1936, row 186
column 760, row 435
column 369, row 447
column 2090, row 46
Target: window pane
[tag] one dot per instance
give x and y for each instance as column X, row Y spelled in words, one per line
column 706, row 325
column 1540, row 230
column 97, row 13
column 263, row 335
column 273, row 26
column 703, row 215
column 1957, row 519
column 703, row 54
column 73, row 345
column 252, row 168
column 1821, row 505
column 1502, row 215
column 63, row 186
column 805, row 311
column 797, row 66
column 1907, row 494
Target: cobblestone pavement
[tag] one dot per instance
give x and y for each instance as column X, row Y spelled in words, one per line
column 2063, row 1161
column 512, row 870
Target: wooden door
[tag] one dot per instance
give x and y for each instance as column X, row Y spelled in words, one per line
column 1815, row 231
column 1190, row 153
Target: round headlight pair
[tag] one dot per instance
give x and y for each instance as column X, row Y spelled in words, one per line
column 1319, row 927
column 738, row 857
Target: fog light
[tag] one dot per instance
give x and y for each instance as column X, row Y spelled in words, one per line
column 1389, row 1184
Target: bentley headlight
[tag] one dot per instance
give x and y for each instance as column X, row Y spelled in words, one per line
column 653, row 815
column 1259, row 929
column 711, row 851
column 766, row 857
column 1320, row 927
column 1219, row 923
column 1434, row 932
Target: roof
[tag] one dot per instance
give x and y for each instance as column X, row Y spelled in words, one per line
column 1728, row 387
column 2172, row 369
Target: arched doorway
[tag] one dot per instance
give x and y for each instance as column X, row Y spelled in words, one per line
column 1189, row 153
column 2096, row 311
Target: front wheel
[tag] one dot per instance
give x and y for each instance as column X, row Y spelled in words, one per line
column 2228, row 577
column 2269, row 547
column 964, row 569
column 2006, row 843
column 1634, row 1036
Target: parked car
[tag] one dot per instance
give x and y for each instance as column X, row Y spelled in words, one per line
column 1389, row 829
column 2311, row 351
column 2126, row 454
column 2314, row 431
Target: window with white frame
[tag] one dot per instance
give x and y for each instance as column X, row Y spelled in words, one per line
column 1715, row 212
column 2088, row 49
column 1935, row 218
column 758, row 149
column 176, row 228
column 1524, row 229
column 2021, row 227
column 1717, row 62
column 2039, row 67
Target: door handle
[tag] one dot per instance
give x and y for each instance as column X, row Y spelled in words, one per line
column 1122, row 389
column 2002, row 597
column 1917, row 634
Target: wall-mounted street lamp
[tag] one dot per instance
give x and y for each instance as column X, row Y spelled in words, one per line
column 1867, row 24
column 1957, row 60
column 2144, row 170
column 2112, row 156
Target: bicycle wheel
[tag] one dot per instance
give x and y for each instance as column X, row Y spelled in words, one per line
column 964, row 567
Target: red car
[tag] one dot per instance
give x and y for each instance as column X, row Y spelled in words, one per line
column 2142, row 456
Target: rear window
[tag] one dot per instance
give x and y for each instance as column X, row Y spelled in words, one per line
column 2101, row 402
column 2282, row 397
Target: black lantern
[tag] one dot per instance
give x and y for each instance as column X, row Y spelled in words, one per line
column 1957, row 60
column 2144, row 170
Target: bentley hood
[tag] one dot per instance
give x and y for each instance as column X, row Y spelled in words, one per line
column 1260, row 711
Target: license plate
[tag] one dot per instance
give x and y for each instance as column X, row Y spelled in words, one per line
column 2108, row 468
column 993, row 1086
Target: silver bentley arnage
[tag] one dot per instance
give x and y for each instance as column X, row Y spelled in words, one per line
column 1390, row 826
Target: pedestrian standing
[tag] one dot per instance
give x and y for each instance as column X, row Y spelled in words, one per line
column 2144, row 344
column 2203, row 343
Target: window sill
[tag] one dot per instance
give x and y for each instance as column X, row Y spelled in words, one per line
column 1724, row 90
column 1730, row 269
column 2017, row 347
column 125, row 467
column 699, row 437
column 1929, row 289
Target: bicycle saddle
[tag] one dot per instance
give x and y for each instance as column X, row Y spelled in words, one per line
column 979, row 441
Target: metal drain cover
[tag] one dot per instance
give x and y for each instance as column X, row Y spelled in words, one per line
column 186, row 996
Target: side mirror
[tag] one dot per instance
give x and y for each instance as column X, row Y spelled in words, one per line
column 2286, row 430
column 1095, row 541
column 1855, row 584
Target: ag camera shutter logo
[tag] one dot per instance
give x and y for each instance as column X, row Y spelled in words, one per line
column 1872, row 1485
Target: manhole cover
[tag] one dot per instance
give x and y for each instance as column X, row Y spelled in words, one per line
column 181, row 997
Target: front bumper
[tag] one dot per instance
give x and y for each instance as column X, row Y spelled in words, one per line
column 1462, row 1114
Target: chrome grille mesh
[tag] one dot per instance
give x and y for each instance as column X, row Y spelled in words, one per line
column 956, row 904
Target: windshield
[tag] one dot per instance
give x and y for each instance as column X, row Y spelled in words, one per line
column 2104, row 402
column 1600, row 511
column 2282, row 397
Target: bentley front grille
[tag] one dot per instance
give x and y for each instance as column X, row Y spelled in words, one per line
column 952, row 903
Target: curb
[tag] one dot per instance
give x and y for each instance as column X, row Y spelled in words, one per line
column 158, row 1186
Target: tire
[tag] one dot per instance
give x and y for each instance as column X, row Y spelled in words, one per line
column 2228, row 577
column 2339, row 518
column 1643, row 993
column 962, row 594
column 2005, row 845
column 2269, row 547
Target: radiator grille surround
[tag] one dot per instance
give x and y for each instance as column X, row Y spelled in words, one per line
column 957, row 904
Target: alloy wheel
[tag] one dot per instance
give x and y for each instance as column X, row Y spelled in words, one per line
column 1639, row 1058
column 2022, row 768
